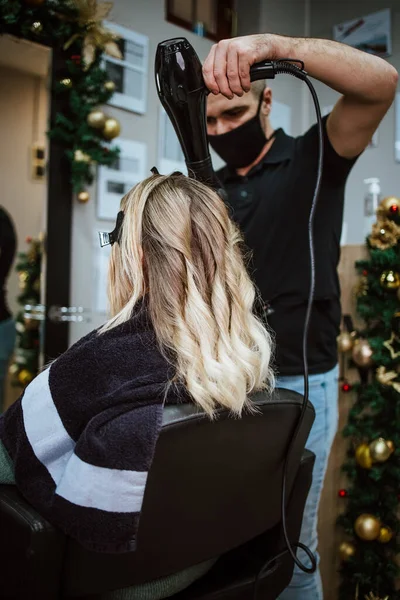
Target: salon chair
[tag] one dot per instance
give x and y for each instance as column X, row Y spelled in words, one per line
column 214, row 490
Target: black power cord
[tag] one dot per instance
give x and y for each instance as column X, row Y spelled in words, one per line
column 277, row 67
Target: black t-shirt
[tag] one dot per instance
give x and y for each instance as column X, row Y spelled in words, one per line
column 272, row 206
column 8, row 243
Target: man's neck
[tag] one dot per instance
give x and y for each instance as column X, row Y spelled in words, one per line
column 242, row 172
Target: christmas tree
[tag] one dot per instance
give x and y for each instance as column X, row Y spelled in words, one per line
column 370, row 551
column 26, row 357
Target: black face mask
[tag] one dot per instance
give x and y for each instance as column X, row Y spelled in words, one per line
column 241, row 146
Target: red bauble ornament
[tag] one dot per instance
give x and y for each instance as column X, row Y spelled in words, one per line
column 365, row 272
column 346, row 387
column 342, row 493
column 394, row 209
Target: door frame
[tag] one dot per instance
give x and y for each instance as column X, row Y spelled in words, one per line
column 58, row 240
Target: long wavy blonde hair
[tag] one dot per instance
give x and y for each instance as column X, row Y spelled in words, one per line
column 179, row 248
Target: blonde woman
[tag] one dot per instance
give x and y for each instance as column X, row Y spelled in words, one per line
column 182, row 330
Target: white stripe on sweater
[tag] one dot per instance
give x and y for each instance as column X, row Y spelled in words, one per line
column 112, row 490
column 43, row 426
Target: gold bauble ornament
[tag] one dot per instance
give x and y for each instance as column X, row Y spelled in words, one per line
column 31, row 324
column 390, row 445
column 83, row 197
column 36, row 27
column 367, row 527
column 346, row 550
column 379, row 450
column 362, row 353
column 66, row 82
column 389, row 207
column 363, row 456
column 111, row 129
column 96, row 119
column 13, row 370
column 390, row 280
column 361, row 288
column 80, row 156
column 385, row 535
column 34, row 2
column 109, row 86
column 23, row 280
column 345, row 341
column 25, row 377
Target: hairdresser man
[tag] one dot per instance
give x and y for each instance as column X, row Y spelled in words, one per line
column 270, row 179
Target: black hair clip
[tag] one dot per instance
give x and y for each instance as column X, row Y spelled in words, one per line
column 154, row 170
column 107, row 239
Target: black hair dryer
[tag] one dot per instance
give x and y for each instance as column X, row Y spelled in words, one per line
column 182, row 92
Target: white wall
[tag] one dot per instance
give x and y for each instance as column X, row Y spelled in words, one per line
column 375, row 162
column 23, row 102
column 288, row 17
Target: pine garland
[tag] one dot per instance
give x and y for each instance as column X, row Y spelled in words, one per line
column 26, row 356
column 54, row 23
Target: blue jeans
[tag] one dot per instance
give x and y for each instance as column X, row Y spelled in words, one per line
column 324, row 397
column 7, row 342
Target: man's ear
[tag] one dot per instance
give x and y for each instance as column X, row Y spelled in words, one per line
column 267, row 101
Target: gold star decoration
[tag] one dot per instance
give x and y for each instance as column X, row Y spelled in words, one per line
column 96, row 37
column 389, row 345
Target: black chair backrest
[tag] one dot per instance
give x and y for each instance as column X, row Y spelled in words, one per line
column 212, row 487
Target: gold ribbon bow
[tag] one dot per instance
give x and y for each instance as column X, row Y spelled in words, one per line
column 387, row 378
column 96, row 37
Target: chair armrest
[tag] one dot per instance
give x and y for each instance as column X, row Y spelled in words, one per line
column 31, row 550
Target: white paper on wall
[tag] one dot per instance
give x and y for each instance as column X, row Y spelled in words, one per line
column 281, row 117
column 115, row 181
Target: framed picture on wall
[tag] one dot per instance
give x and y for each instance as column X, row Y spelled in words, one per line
column 371, row 33
column 130, row 73
column 115, row 181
